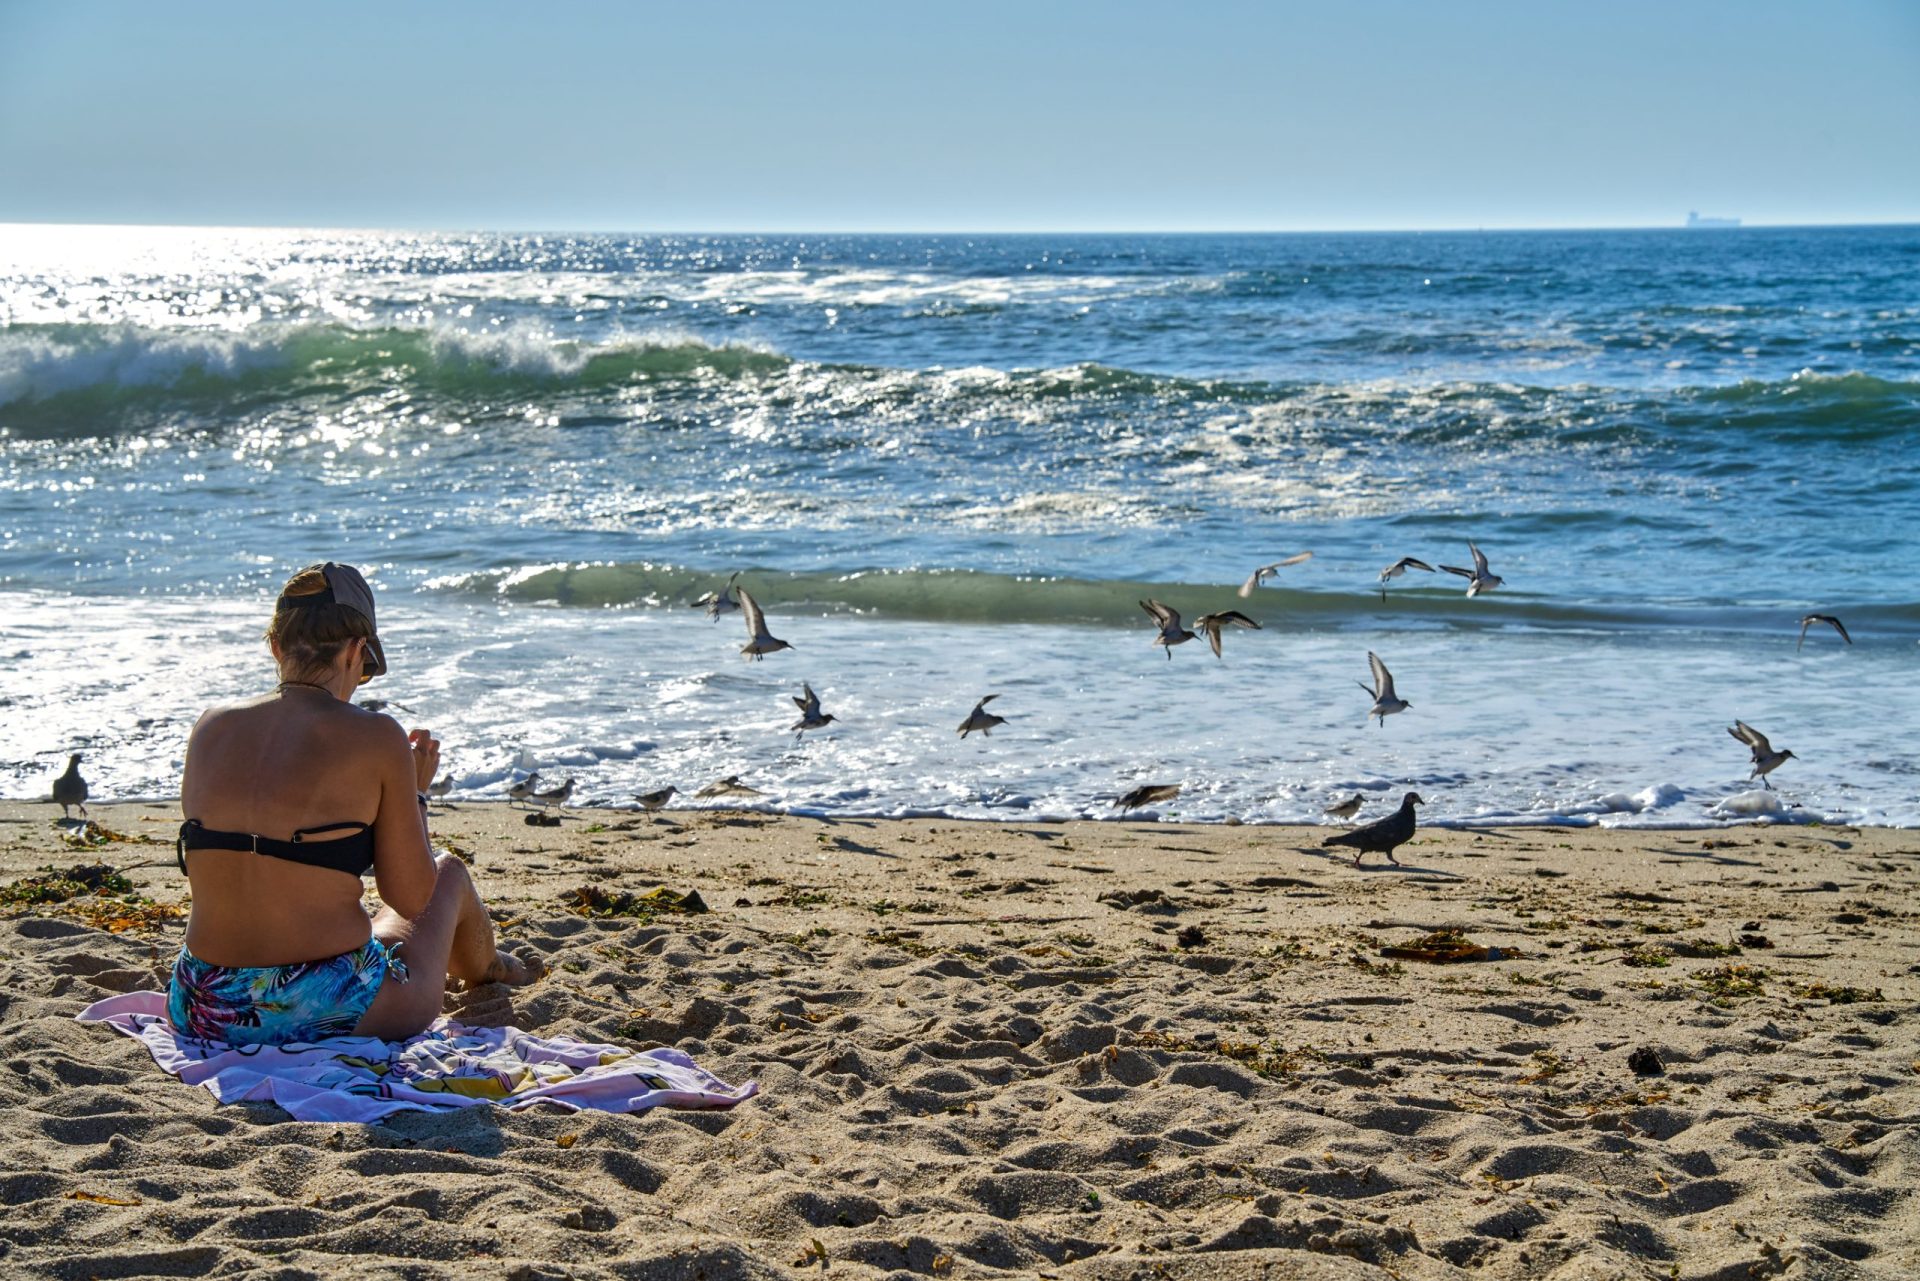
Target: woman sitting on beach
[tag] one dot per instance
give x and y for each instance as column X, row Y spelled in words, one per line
column 292, row 797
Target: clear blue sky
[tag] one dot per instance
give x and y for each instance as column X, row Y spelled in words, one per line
column 983, row 115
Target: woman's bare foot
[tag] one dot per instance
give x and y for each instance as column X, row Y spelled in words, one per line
column 512, row 970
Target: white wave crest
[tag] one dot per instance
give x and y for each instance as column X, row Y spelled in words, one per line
column 529, row 348
column 36, row 366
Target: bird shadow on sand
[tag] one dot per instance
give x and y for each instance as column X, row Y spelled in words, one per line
column 1706, row 856
column 1346, row 861
column 852, row 846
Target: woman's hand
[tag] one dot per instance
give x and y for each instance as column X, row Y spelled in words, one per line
column 426, row 757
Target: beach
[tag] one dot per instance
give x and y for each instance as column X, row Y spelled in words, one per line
column 1066, row 1049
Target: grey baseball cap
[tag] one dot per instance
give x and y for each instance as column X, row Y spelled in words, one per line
column 346, row 587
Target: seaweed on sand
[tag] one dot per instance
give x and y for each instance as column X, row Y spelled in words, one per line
column 596, row 901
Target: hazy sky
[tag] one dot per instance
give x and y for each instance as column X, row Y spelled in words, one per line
column 982, row 115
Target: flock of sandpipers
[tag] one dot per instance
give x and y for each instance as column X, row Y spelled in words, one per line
column 1382, row 836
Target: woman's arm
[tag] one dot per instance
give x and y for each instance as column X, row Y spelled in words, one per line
column 403, row 868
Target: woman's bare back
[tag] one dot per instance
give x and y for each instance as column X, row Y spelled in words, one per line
column 296, row 759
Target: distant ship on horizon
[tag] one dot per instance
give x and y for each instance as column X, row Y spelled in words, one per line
column 1695, row 220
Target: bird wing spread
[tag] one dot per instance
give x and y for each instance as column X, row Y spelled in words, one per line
column 1382, row 678
column 1169, row 619
column 756, row 621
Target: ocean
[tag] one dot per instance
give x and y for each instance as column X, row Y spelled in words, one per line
column 952, row 466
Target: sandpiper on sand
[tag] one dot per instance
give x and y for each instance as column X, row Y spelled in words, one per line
column 555, row 798
column 1345, row 809
column 523, row 790
column 654, row 802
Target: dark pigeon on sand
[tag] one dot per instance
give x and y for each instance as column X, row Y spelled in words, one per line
column 1384, row 836
column 70, row 789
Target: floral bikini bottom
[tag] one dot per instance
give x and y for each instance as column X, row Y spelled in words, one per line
column 276, row 1004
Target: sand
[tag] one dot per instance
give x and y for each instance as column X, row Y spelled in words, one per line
column 1064, row 1050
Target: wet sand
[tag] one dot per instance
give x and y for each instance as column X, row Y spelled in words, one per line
column 1083, row 1050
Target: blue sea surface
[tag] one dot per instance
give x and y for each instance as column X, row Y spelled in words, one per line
column 951, row 466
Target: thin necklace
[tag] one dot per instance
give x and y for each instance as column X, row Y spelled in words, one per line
column 281, row 688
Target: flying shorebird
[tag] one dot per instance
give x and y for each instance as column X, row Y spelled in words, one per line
column 1385, row 702
column 1210, row 625
column 728, row 786
column 1168, row 621
column 720, row 602
column 1345, row 809
column 981, row 719
column 1151, row 794
column 1265, row 572
column 1398, row 568
column 522, row 790
column 1382, row 836
column 555, row 798
column 70, row 789
column 1829, row 620
column 810, row 717
column 1765, row 759
column 759, row 642
column 1479, row 579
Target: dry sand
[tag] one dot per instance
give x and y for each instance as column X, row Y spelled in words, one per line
column 1077, row 1050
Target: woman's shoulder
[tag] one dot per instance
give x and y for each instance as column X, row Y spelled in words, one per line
column 342, row 718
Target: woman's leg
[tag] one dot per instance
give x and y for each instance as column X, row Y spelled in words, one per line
column 453, row 938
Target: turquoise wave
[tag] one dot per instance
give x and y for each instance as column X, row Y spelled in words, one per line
column 973, row 596
column 49, row 368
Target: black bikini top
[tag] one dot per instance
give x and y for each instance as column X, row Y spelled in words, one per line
column 350, row 854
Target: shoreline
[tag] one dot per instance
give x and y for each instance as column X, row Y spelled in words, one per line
column 16, row 808
column 1089, row 1049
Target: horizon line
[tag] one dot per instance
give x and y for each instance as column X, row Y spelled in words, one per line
column 503, row 229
